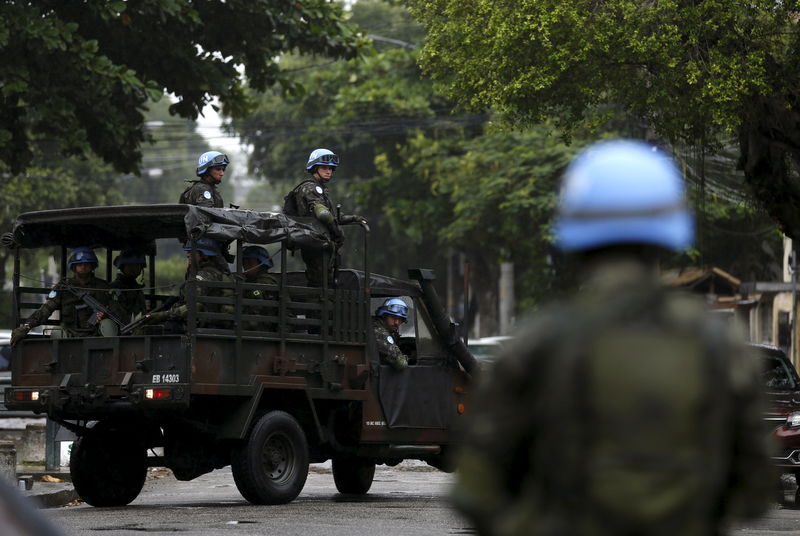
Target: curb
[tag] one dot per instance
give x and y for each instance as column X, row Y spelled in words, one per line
column 46, row 494
column 54, row 499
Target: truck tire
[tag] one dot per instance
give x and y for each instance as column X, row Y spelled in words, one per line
column 108, row 468
column 353, row 475
column 271, row 464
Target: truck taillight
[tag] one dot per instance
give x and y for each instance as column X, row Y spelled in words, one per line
column 26, row 396
column 158, row 394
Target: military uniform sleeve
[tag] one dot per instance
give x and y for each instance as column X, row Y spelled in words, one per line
column 308, row 196
column 201, row 195
column 47, row 309
column 389, row 351
column 495, row 453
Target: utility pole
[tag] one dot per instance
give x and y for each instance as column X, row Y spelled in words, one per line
column 506, row 293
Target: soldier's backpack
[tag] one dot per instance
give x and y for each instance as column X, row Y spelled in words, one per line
column 290, row 207
column 619, row 403
column 184, row 196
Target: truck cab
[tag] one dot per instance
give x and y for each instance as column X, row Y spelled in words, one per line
column 215, row 391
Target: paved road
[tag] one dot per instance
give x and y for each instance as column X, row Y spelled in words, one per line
column 408, row 500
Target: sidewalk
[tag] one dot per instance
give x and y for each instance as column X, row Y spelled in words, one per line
column 48, row 489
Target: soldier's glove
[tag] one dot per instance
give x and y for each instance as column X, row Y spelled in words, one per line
column 349, row 219
column 161, row 316
column 19, row 333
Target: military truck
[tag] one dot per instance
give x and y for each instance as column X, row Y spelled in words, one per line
column 215, row 392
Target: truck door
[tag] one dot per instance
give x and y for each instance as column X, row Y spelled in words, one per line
column 420, row 396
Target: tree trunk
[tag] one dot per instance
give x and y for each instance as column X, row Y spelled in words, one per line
column 769, row 139
column 484, row 274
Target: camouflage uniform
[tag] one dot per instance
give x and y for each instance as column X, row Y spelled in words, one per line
column 388, row 350
column 309, row 194
column 263, row 278
column 627, row 410
column 207, row 272
column 75, row 314
column 127, row 293
column 202, row 194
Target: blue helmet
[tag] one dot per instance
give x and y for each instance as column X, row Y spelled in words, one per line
column 204, row 245
column 80, row 255
column 211, row 159
column 257, row 252
column 130, row 256
column 623, row 192
column 394, row 307
column 321, row 157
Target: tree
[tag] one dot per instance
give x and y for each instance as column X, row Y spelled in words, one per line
column 361, row 109
column 696, row 71
column 51, row 182
column 167, row 160
column 79, row 75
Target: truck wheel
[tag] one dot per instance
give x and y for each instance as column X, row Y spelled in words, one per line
column 271, row 465
column 108, row 468
column 353, row 475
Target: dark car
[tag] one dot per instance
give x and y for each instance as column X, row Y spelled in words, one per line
column 782, row 386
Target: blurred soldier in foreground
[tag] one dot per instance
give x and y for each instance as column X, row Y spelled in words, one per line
column 203, row 192
column 73, row 296
column 627, row 409
column 310, row 198
column 386, row 323
column 126, row 288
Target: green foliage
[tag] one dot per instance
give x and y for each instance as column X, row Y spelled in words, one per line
column 684, row 66
column 698, row 72
column 168, row 160
column 52, row 182
column 490, row 195
column 81, row 73
column 170, row 273
column 435, row 182
column 350, row 107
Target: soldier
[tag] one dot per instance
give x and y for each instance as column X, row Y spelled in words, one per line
column 203, row 254
column 310, row 198
column 77, row 318
column 127, row 290
column 203, row 193
column 627, row 409
column 386, row 324
column 256, row 263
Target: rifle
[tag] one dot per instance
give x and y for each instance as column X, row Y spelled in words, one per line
column 145, row 318
column 92, row 302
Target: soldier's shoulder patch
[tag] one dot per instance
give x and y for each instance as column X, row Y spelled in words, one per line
column 53, row 294
column 390, row 339
column 318, row 189
column 207, row 194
